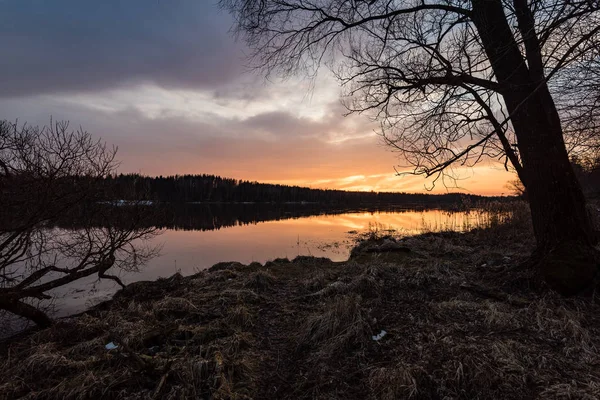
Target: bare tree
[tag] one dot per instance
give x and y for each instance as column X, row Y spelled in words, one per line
column 578, row 102
column 516, row 188
column 51, row 180
column 454, row 82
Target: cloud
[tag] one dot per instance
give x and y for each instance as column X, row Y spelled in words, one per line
column 280, row 123
column 75, row 46
column 330, row 127
column 166, row 82
column 273, row 147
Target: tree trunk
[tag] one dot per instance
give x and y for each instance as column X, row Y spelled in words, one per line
column 26, row 311
column 562, row 227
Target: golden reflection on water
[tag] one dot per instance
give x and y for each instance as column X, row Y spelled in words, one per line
column 329, row 236
column 321, row 236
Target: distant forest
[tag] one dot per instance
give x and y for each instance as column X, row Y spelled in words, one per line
column 215, row 189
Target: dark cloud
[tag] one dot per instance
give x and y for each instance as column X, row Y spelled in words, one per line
column 74, row 45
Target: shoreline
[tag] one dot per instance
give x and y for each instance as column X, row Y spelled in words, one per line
column 440, row 315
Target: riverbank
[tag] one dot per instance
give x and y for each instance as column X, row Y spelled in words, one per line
column 438, row 315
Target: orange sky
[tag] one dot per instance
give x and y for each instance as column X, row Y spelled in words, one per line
column 484, row 180
column 176, row 98
column 362, row 164
column 280, row 137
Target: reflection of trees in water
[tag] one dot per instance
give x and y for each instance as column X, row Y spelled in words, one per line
column 216, row 216
column 206, row 216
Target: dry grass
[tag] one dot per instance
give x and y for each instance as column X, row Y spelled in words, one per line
column 175, row 347
column 341, row 324
column 399, row 382
column 317, row 281
column 260, row 281
column 463, row 320
column 490, row 215
column 245, row 296
column 240, row 317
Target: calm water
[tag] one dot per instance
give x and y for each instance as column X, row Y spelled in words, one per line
column 188, row 251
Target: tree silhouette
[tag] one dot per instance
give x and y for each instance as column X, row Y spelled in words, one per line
column 215, row 189
column 455, row 82
column 46, row 175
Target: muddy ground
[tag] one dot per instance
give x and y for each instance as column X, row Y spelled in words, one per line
column 435, row 316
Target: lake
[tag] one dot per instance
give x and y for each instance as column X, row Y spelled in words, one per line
column 199, row 237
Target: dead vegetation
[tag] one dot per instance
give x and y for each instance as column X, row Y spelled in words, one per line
column 343, row 323
column 188, row 344
column 463, row 319
column 260, row 281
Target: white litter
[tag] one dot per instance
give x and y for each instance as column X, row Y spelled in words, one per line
column 111, row 346
column 379, row 336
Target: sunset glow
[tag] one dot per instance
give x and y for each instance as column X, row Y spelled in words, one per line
column 186, row 104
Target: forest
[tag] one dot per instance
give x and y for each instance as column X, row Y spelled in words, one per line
column 215, row 189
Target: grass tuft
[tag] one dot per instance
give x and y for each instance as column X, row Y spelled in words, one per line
column 240, row 317
column 342, row 324
column 260, row 281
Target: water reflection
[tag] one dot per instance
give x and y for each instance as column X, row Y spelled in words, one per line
column 216, row 216
column 189, row 245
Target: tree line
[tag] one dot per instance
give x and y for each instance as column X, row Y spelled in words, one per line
column 215, row 189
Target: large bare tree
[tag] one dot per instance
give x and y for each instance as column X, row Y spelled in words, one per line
column 54, row 227
column 455, row 82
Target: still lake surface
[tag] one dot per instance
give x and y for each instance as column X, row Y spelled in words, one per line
column 192, row 244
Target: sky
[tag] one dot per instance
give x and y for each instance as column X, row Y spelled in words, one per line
column 167, row 83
